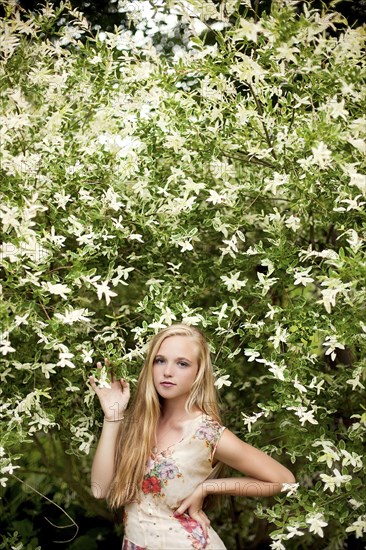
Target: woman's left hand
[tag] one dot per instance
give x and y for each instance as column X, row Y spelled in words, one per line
column 193, row 504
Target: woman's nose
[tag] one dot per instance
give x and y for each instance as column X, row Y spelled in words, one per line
column 168, row 369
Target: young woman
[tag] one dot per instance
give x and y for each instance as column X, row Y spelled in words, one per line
column 161, row 457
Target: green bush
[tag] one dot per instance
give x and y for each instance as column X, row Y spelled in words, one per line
column 223, row 186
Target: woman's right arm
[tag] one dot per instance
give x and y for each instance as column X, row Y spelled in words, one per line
column 114, row 402
column 103, row 463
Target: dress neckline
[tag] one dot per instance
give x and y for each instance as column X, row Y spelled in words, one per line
column 154, row 450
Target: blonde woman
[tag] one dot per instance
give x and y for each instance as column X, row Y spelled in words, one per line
column 161, row 457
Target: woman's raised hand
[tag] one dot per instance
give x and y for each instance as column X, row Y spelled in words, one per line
column 113, row 400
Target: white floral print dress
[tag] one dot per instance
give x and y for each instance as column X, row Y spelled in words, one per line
column 170, row 477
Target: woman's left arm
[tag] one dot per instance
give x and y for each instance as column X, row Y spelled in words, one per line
column 265, row 476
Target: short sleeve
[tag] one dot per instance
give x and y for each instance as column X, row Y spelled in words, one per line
column 210, row 431
column 219, row 433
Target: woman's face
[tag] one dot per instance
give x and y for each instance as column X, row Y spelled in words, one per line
column 175, row 367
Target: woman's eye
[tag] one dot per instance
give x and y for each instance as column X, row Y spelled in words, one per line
column 182, row 364
column 159, row 360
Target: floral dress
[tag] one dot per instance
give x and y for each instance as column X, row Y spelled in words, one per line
column 170, row 477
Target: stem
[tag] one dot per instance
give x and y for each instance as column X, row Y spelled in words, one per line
column 256, row 7
column 252, row 159
column 54, row 503
column 260, row 111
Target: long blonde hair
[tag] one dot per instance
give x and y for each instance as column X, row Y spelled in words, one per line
column 136, row 435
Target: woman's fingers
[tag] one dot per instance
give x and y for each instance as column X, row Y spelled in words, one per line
column 92, row 382
column 111, row 369
column 204, row 521
column 124, row 384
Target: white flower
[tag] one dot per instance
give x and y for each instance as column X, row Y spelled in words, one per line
column 9, row 215
column 329, row 298
column 58, row 289
column 322, row 155
column 330, row 454
column 135, row 237
column 6, row 347
column 111, row 199
column 281, row 336
column 318, row 386
column 221, row 314
column 103, row 288
column 277, row 545
column 293, row 222
column 332, row 344
column 64, row 360
column 355, row 503
column 3, row 481
column 167, row 315
column 73, row 316
column 21, row 320
column 307, row 416
column 265, row 282
column 8, row 469
column 336, row 481
column 238, row 310
column 354, row 240
column 116, row 144
column 122, row 273
column 316, row 522
column 232, row 282
column 276, row 181
column 351, row 458
column 293, row 530
column 359, row 181
column 248, row 29
column 277, row 370
column 355, row 381
column 102, row 381
column 289, row 488
column 335, row 109
column 304, row 414
column 249, row 420
column 302, row 276
column 358, row 143
column 285, row 51
column 157, row 325
column 231, row 248
column 47, row 369
column 223, row 381
column 272, row 311
column 352, row 204
column 185, row 245
column 299, row 386
column 252, row 354
column 358, row 526
column 87, row 355
column 61, row 200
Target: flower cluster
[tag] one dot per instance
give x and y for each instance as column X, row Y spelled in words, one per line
column 210, row 186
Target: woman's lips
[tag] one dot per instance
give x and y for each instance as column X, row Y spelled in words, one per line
column 167, row 384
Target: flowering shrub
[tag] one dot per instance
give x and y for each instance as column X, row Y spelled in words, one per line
column 223, row 186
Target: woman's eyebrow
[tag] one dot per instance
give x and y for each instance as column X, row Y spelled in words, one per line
column 159, row 356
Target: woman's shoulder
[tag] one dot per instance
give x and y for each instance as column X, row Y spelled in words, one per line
column 208, row 427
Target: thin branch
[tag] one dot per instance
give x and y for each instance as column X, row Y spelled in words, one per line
column 260, row 111
column 250, row 158
column 59, row 507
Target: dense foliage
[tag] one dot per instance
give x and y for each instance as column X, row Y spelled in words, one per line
column 223, row 186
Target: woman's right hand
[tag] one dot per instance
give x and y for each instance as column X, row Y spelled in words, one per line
column 113, row 400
